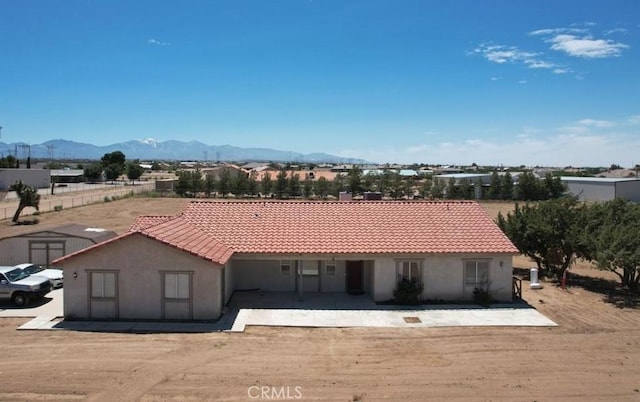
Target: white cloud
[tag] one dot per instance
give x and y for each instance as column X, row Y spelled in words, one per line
column 501, row 54
column 635, row 119
column 522, row 82
column 615, row 30
column 556, row 31
column 157, row 42
column 586, row 46
column 596, row 123
column 495, row 78
column 571, row 145
column 561, row 70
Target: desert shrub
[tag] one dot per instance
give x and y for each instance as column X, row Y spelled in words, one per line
column 482, row 297
column 107, row 198
column 57, row 208
column 408, row 292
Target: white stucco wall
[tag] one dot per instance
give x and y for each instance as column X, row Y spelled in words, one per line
column 139, row 262
column 443, row 276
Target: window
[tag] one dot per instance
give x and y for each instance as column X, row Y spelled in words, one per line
column 285, row 268
column 409, row 271
column 476, row 272
column 103, row 285
column 177, row 285
column 310, row 268
column 42, row 252
column 330, row 268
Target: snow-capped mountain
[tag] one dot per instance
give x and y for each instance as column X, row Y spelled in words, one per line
column 152, row 149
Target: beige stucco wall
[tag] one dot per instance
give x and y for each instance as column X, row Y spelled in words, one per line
column 139, row 262
column 265, row 274
column 443, row 276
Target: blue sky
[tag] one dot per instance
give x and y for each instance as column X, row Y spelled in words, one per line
column 454, row 82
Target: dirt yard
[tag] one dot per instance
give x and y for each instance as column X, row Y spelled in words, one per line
column 594, row 354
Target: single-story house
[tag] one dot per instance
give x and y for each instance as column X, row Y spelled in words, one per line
column 602, row 188
column 47, row 244
column 188, row 266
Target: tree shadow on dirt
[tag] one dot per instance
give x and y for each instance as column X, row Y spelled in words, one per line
column 612, row 291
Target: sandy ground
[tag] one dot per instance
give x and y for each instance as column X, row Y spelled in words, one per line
column 594, row 354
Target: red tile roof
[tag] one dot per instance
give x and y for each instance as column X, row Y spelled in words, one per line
column 215, row 230
column 349, row 227
column 146, row 221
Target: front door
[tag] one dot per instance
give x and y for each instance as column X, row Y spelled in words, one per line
column 354, row 277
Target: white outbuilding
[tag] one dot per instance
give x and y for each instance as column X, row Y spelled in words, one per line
column 602, row 188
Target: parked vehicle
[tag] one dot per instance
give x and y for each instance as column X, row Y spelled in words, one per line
column 20, row 287
column 54, row 274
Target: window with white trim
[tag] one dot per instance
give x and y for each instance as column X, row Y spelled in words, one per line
column 476, row 272
column 310, row 268
column 103, row 285
column 330, row 268
column 286, row 268
column 409, row 271
column 177, row 285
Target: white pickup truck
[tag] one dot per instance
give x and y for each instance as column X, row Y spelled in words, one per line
column 20, row 287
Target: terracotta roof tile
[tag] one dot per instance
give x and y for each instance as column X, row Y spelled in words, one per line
column 349, row 227
column 146, row 221
column 215, row 230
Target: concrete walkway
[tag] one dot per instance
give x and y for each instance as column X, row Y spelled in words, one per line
column 337, row 310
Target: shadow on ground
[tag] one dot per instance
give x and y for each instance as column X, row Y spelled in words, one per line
column 612, row 291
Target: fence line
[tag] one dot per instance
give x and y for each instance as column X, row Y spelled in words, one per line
column 66, row 202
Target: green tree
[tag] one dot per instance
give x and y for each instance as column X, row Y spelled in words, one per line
column 294, row 185
column 437, row 191
column 321, row 187
column 266, row 184
column 553, row 186
column 8, row 162
column 281, row 184
column 408, row 187
column 548, row 232
column 307, row 188
column 134, row 170
column 183, row 186
column 93, row 172
column 495, row 191
column 224, row 182
column 453, row 191
column 337, row 185
column 397, row 185
column 507, row 187
column 240, row 185
column 28, row 196
column 209, row 184
column 252, row 183
column 369, row 181
column 113, row 164
column 612, row 239
column 354, row 180
column 528, row 187
column 425, row 188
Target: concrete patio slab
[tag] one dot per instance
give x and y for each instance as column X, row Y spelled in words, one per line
column 327, row 310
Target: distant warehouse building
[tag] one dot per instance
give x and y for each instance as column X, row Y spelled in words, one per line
column 602, row 188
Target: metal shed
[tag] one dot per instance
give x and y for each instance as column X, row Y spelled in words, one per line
column 603, row 188
column 45, row 245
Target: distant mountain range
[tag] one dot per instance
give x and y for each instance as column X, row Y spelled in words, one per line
column 151, row 149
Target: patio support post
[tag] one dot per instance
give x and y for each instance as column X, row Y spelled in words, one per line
column 299, row 278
